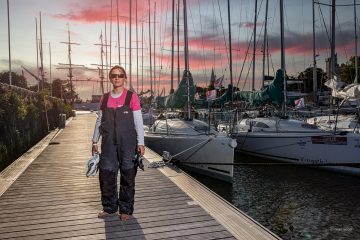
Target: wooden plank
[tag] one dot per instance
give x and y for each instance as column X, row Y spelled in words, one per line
column 52, row 199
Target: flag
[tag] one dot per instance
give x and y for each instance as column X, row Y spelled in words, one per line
column 299, row 103
column 210, row 95
column 218, row 82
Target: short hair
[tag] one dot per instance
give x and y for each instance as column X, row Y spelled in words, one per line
column 117, row 67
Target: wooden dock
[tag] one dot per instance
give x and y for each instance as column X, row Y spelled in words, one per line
column 52, row 198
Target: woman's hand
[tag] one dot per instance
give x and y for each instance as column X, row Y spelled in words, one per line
column 141, row 150
column 94, row 149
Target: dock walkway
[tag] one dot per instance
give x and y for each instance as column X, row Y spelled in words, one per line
column 52, row 198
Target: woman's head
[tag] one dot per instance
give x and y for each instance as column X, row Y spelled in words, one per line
column 117, row 76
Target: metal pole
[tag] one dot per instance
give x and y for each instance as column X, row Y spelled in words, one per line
column 254, row 49
column 50, row 79
column 265, row 43
column 37, row 54
column 137, row 48
column 178, row 40
column 118, row 30
column 230, row 49
column 283, row 52
column 172, row 47
column 41, row 57
column 314, row 57
column 155, row 49
column 356, row 80
column 151, row 85
column 8, row 16
column 185, row 38
column 131, row 86
column 333, row 39
column 142, row 57
column 110, row 31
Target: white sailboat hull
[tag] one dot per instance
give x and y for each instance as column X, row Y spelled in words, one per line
column 304, row 149
column 208, row 154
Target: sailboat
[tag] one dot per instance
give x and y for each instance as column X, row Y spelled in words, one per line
column 191, row 143
column 296, row 142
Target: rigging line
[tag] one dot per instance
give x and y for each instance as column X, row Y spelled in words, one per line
column 247, row 51
column 238, row 53
column 324, row 24
column 247, row 75
column 163, row 39
column 202, row 42
column 287, row 24
column 242, row 67
column 217, row 31
column 222, row 26
column 320, row 164
column 337, row 5
column 341, row 33
column 194, row 29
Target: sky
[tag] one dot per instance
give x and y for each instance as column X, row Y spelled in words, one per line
column 89, row 21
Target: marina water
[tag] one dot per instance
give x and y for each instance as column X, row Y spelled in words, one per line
column 292, row 201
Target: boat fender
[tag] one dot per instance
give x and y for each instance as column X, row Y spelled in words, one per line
column 232, row 143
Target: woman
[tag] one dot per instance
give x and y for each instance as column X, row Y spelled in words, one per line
column 120, row 124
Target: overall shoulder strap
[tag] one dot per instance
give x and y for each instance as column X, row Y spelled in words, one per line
column 128, row 98
column 104, row 101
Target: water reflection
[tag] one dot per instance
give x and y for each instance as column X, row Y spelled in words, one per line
column 294, row 202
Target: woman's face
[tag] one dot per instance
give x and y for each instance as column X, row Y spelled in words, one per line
column 117, row 78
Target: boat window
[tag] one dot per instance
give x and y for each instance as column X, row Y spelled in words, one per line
column 309, row 126
column 260, row 125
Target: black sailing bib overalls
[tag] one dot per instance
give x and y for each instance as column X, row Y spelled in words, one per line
column 118, row 148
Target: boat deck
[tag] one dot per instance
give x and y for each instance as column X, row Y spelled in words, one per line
column 45, row 195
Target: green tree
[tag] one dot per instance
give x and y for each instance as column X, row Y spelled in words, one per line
column 16, row 79
column 61, row 89
column 307, row 77
column 348, row 70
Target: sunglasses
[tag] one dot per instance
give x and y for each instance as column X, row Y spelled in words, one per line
column 113, row 75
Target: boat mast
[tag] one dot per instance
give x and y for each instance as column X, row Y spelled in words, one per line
column 137, row 47
column 111, row 19
column 333, row 15
column 131, row 86
column 151, row 86
column 314, row 56
column 8, row 17
column 37, row 54
column 283, row 52
column 254, row 49
column 172, row 47
column 142, row 57
column 265, row 42
column 356, row 56
column 42, row 59
column 155, row 48
column 186, row 52
column 106, row 60
column 118, row 30
column 230, row 49
column 50, row 79
column 178, row 39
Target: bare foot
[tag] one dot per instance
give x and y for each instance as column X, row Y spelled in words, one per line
column 103, row 214
column 124, row 217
